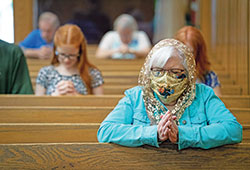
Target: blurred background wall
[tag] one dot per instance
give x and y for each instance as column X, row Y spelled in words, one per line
column 225, row 24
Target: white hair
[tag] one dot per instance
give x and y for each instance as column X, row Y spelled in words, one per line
column 125, row 21
column 162, row 55
column 51, row 18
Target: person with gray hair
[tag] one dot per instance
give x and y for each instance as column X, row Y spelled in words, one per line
column 168, row 106
column 39, row 43
column 125, row 42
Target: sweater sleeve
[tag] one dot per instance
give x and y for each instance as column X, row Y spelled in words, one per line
column 118, row 127
column 221, row 126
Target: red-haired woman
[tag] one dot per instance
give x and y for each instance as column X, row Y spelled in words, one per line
column 193, row 38
column 70, row 72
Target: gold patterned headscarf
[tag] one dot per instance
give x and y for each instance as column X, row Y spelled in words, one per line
column 153, row 106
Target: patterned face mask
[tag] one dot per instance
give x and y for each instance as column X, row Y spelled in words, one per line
column 168, row 85
column 147, row 81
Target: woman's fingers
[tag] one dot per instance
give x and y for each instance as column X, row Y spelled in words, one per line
column 161, row 134
column 65, row 87
column 172, row 136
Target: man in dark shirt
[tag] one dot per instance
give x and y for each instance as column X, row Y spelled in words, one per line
column 14, row 73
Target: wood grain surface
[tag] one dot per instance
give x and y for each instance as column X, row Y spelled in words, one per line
column 111, row 156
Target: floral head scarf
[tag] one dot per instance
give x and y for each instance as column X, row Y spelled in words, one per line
column 153, row 106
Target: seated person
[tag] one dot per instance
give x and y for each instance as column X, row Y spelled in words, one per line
column 70, row 72
column 168, row 106
column 125, row 42
column 14, row 73
column 39, row 43
column 193, row 38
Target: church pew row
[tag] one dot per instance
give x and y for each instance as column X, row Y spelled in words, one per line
column 133, row 80
column 76, row 114
column 119, row 89
column 239, row 101
column 68, row 124
column 111, row 156
column 224, row 79
column 121, row 70
column 85, row 100
column 60, row 132
column 97, row 62
column 111, row 89
column 93, row 60
column 113, row 77
column 115, row 67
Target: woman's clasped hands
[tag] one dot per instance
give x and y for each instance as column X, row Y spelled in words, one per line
column 65, row 88
column 167, row 128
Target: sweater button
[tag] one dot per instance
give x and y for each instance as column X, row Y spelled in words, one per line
column 184, row 122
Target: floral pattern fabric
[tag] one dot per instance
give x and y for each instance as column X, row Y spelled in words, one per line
column 48, row 77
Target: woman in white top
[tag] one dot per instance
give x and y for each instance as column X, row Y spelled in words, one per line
column 125, row 42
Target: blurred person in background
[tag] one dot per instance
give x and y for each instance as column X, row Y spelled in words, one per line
column 193, row 38
column 125, row 42
column 39, row 43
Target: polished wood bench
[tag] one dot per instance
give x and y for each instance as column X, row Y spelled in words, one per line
column 67, row 124
column 120, row 89
column 85, row 100
column 114, row 86
column 60, row 132
column 76, row 114
column 239, row 101
column 110, row 156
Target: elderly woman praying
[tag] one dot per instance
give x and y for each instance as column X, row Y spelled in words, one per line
column 169, row 106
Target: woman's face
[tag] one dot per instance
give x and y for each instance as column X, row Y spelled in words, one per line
column 68, row 56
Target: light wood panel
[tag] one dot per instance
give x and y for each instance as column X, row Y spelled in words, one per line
column 111, row 156
column 52, row 114
column 86, row 100
column 96, row 101
column 85, row 114
column 23, row 18
column 49, row 133
column 229, row 45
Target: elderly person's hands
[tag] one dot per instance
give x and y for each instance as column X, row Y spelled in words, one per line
column 124, row 49
column 45, row 52
column 167, row 128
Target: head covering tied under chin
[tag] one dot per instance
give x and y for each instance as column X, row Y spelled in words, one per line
column 153, row 106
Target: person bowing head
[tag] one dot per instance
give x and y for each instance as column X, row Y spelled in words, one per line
column 70, row 72
column 168, row 106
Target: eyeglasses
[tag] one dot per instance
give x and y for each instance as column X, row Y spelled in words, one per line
column 69, row 56
column 159, row 72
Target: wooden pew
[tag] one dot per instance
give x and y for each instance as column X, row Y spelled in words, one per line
column 230, row 101
column 126, row 72
column 47, row 132
column 67, row 124
column 86, row 100
column 119, row 89
column 75, row 114
column 93, row 60
column 230, row 87
column 60, row 132
column 111, row 156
